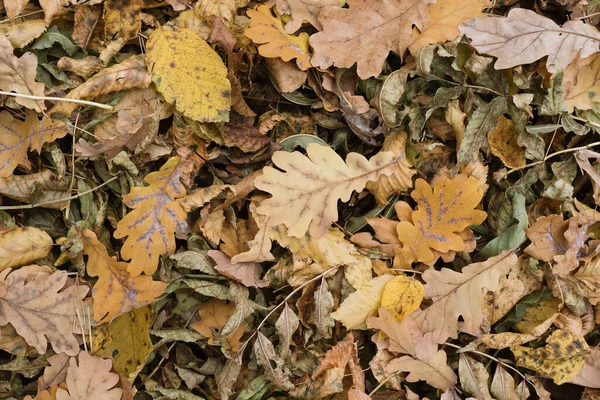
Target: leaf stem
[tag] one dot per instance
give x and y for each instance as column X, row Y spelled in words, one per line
column 85, row 102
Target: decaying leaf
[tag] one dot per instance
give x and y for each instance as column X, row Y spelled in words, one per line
column 581, row 83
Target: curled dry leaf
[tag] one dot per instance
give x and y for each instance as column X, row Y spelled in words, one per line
column 248, row 274
column 274, row 367
column 22, row 246
column 40, row 309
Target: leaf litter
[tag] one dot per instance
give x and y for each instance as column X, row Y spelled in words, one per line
column 299, row 199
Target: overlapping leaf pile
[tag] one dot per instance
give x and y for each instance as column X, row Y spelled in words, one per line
column 308, row 199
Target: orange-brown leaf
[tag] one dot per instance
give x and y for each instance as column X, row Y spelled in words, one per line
column 150, row 227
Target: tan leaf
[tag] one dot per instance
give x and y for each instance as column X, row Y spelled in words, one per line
column 40, row 309
column 225, row 9
column 524, row 36
column 245, row 137
column 199, row 197
column 18, row 75
column 581, row 83
column 248, row 274
column 286, row 75
column 385, row 25
column 150, row 227
column 423, row 361
column 303, row 10
column 503, row 143
column 22, row 246
column 456, row 294
column 16, row 137
column 84, row 67
column 305, row 195
column 40, row 187
column 23, row 33
column 116, row 292
column 85, row 20
column 91, row 379
column 286, row 325
column 473, row 377
column 275, row 369
column 131, row 73
column 590, row 373
column 443, row 211
column 503, row 386
column 14, row 7
column 267, row 30
column 401, row 178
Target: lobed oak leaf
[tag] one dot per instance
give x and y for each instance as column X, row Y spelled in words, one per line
column 305, row 195
column 116, row 292
column 40, row 309
column 267, row 30
column 443, row 211
column 18, row 75
column 16, row 137
column 423, row 361
column 524, row 36
column 456, row 294
column 189, row 74
column 22, row 246
column 303, row 10
column 90, row 379
column 150, row 227
column 365, row 33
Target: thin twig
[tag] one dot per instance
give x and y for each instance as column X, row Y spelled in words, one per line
column 44, row 203
column 43, row 98
column 22, row 16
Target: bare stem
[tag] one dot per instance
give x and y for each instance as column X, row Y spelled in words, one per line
column 43, row 98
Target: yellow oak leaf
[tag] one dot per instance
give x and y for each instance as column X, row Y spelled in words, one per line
column 444, row 18
column 305, row 195
column 16, row 137
column 116, row 292
column 581, row 83
column 150, row 227
column 443, row 211
column 126, row 340
column 456, row 294
column 22, row 246
column 268, row 31
column 402, row 295
column 190, row 74
column 503, row 143
column 561, row 359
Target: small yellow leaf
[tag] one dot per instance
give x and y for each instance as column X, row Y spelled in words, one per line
column 267, row 30
column 190, row 74
column 402, row 295
column 503, row 142
column 23, row 246
column 561, row 359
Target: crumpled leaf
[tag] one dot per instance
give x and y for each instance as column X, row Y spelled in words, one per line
column 513, row 236
column 524, row 36
column 91, row 379
column 273, row 365
column 36, row 304
column 443, row 211
column 22, row 246
column 189, row 74
column 319, row 181
column 214, row 315
column 457, row 294
column 248, row 274
column 23, row 33
column 561, row 359
column 385, row 26
column 286, row 325
column 150, row 227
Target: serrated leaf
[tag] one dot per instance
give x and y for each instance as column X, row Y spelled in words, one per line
column 52, row 36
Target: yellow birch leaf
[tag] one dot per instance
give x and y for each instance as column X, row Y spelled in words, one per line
column 443, row 211
column 581, row 83
column 305, row 196
column 116, row 292
column 444, row 18
column 268, row 31
column 189, row 74
column 503, row 143
column 360, row 305
column 150, row 227
column 126, row 340
column 561, row 359
column 16, row 137
column 402, row 295
column 22, row 246
column 401, row 177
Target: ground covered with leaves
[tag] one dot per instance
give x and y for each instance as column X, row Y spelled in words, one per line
column 306, row 199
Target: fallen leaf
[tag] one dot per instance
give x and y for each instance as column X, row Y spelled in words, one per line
column 91, row 379
column 225, row 9
column 22, row 246
column 156, row 217
column 473, row 377
column 581, row 83
column 248, row 274
column 286, row 325
column 272, row 364
column 303, row 10
column 23, row 33
column 402, row 295
column 214, row 315
column 503, row 143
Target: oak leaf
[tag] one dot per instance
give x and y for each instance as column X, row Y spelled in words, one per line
column 305, row 195
column 581, row 83
column 40, row 309
column 303, row 10
column 456, row 294
column 443, row 211
column 90, row 379
column 385, row 25
column 116, row 292
column 189, row 74
column 16, row 137
column 422, row 359
column 150, row 227
column 444, row 18
column 18, row 75
column 524, row 36
column 22, row 246
column 267, row 30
